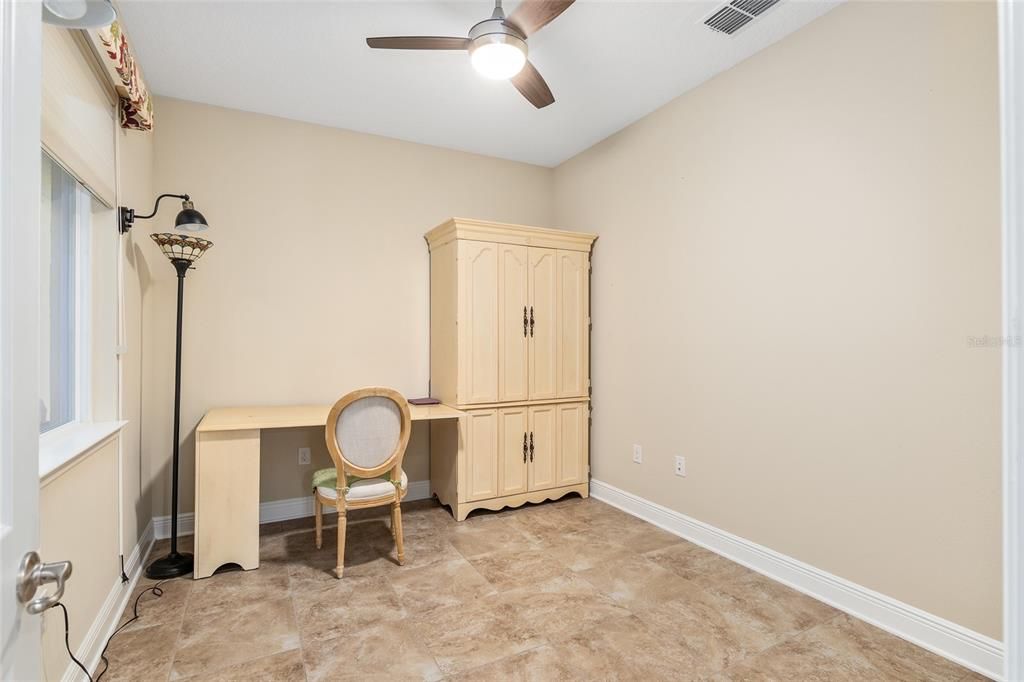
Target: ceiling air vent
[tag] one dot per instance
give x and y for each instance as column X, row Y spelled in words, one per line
column 732, row 17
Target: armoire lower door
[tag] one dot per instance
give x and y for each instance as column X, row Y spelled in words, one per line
column 513, row 450
column 481, row 455
column 543, row 447
column 573, row 458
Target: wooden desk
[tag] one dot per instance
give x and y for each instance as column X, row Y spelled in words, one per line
column 227, row 514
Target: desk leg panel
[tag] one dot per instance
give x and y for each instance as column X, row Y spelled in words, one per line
column 227, row 515
column 446, row 437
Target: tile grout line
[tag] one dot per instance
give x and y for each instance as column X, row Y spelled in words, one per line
column 631, row 607
column 177, row 635
column 790, row 638
column 781, row 639
column 458, row 551
column 298, row 630
column 547, row 643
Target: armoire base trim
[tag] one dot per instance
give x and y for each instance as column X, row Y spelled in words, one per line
column 462, row 510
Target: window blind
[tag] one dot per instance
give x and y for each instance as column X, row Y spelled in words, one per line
column 78, row 113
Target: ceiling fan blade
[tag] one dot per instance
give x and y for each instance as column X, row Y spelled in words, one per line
column 531, row 84
column 531, row 16
column 418, row 43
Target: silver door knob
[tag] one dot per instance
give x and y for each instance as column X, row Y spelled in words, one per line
column 32, row 574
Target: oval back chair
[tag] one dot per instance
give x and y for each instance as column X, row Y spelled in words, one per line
column 367, row 433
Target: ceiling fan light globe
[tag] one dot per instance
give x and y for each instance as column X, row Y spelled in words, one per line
column 66, row 9
column 81, row 14
column 498, row 56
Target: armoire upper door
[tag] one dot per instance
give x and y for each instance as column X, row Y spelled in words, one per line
column 513, row 320
column 478, row 322
column 543, row 290
column 573, row 348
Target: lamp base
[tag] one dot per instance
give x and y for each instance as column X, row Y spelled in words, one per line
column 170, row 566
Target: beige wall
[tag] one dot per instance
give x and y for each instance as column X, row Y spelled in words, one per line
column 78, row 523
column 136, row 190
column 78, row 508
column 78, row 513
column 791, row 260
column 318, row 279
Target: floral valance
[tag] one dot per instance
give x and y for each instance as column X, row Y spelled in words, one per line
column 116, row 53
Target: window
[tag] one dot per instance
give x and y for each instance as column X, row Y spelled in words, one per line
column 64, row 237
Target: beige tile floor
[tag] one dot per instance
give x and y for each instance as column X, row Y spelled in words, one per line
column 573, row 589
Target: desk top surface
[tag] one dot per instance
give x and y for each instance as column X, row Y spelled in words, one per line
column 293, row 416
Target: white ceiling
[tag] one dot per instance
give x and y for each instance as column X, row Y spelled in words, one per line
column 608, row 64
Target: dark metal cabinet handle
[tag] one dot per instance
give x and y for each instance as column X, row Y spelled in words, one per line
column 531, row 446
column 531, row 320
column 524, row 336
column 524, row 447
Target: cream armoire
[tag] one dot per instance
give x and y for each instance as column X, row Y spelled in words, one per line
column 510, row 346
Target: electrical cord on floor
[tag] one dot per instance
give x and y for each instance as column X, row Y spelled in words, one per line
column 67, row 643
column 155, row 589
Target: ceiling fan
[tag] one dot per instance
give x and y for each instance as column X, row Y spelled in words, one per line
column 496, row 46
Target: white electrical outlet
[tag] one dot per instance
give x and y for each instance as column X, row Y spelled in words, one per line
column 303, row 456
column 680, row 465
column 638, row 454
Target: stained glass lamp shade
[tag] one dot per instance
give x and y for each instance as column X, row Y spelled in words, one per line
column 181, row 247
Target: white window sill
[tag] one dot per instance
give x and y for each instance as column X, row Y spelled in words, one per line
column 60, row 448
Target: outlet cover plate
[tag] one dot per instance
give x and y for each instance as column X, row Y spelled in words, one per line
column 638, row 454
column 304, row 456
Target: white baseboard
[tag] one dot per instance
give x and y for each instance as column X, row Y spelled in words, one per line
column 277, row 510
column 105, row 623
column 949, row 640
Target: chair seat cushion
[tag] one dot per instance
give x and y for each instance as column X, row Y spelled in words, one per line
column 325, row 481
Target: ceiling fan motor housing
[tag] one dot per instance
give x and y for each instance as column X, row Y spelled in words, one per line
column 495, row 30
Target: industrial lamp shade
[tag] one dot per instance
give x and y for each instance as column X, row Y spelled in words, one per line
column 189, row 219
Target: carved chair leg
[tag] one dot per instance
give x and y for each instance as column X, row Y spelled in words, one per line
column 340, row 568
column 396, row 515
column 392, row 522
column 318, row 509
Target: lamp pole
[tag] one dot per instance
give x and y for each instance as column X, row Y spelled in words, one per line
column 181, row 266
column 175, row 564
column 182, row 251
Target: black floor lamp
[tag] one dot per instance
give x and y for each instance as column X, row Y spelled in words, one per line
column 182, row 250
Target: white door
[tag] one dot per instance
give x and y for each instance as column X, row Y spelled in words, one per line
column 20, row 31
